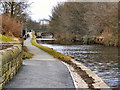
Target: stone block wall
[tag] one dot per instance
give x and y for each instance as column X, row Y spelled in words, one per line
column 10, row 62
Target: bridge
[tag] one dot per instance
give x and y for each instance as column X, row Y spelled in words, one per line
column 44, row 21
column 46, row 39
column 45, row 71
column 44, row 32
column 41, row 71
column 44, row 35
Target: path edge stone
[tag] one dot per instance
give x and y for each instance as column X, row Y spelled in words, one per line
column 99, row 83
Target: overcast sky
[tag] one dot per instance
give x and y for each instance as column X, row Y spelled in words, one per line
column 42, row 8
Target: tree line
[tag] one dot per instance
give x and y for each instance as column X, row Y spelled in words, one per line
column 15, row 17
column 15, row 9
column 72, row 21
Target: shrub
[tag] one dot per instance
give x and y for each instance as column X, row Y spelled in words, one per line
column 10, row 27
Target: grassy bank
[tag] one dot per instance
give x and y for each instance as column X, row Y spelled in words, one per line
column 50, row 51
column 27, row 55
column 67, row 59
column 6, row 39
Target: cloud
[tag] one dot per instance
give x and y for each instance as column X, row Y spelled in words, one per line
column 42, row 8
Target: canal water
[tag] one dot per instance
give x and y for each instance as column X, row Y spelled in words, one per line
column 100, row 59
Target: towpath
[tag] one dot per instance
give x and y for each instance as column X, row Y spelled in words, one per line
column 42, row 71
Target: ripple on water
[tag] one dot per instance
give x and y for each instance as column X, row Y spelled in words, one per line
column 100, row 59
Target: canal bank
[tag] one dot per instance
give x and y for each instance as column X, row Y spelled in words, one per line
column 86, row 75
column 100, row 59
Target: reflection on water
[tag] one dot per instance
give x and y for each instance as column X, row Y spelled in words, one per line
column 100, row 59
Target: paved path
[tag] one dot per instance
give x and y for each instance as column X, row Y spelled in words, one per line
column 38, row 54
column 43, row 71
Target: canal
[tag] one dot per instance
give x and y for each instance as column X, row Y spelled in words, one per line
column 100, row 59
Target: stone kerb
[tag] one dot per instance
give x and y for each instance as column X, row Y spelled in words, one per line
column 98, row 82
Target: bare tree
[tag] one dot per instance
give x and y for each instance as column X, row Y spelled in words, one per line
column 78, row 19
column 15, row 9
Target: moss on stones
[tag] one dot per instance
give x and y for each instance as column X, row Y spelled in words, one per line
column 10, row 63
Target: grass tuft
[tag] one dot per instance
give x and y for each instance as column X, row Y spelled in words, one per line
column 27, row 55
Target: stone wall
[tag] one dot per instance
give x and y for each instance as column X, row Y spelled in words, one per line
column 10, row 62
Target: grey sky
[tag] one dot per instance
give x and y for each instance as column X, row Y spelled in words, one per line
column 42, row 8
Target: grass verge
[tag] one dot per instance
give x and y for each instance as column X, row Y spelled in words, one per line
column 27, row 55
column 6, row 39
column 67, row 59
column 50, row 51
